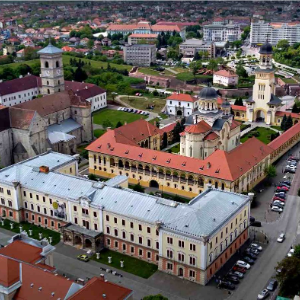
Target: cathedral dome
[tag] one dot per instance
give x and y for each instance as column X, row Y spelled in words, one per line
column 208, row 93
column 266, row 48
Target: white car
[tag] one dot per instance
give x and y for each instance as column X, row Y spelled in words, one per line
column 120, row 108
column 257, row 247
column 291, row 252
column 263, row 294
column 278, row 202
column 281, row 238
column 243, row 264
column 277, row 209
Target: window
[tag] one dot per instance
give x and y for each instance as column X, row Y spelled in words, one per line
column 180, row 257
column 131, row 224
column 8, row 192
column 140, row 252
column 51, row 213
column 169, row 253
column 148, row 242
column 37, row 197
column 75, row 208
column 181, row 244
column 107, row 230
column 108, row 242
column 192, row 247
column 140, row 240
column 39, row 219
column 30, row 195
column 1, row 190
column 52, row 223
column 45, row 211
column 148, row 230
column 10, row 213
column 123, row 222
column 9, row 203
column 116, row 232
column 124, row 247
column 32, row 217
column 124, row 235
column 107, row 218
column 95, row 226
column 157, row 245
column 157, row 233
column 25, row 203
column 170, row 240
column 44, row 199
column 132, row 249
column 85, row 211
column 75, row 221
column 131, row 237
column 116, row 244
column 149, row 255
column 192, row 261
column 116, row 220
column 32, row 207
column 192, row 273
column 46, row 221
column 95, row 214
column 38, row 209
column 140, row 227
column 170, row 266
column 50, row 200
column 24, row 193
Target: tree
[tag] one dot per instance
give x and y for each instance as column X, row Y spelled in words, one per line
column 283, row 123
column 165, row 140
column 289, row 277
column 176, row 132
column 289, row 123
column 240, row 70
column 295, row 108
column 90, row 44
column 239, row 102
column 80, row 75
column 138, row 188
column 283, row 44
column 155, row 93
column 155, row 297
column 270, row 171
column 30, row 53
column 197, row 56
column 92, row 177
column 119, row 124
column 297, row 251
column 212, row 65
column 106, row 124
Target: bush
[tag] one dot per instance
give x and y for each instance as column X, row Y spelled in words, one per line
column 138, row 188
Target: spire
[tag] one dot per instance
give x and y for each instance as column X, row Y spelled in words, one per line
column 49, row 44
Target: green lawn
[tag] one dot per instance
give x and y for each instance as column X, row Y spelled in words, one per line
column 288, row 80
column 131, row 265
column 114, row 116
column 99, row 132
column 277, row 127
column 15, row 65
column 245, row 126
column 150, row 71
column 175, row 149
column 264, row 134
column 35, row 230
column 187, row 76
column 143, row 104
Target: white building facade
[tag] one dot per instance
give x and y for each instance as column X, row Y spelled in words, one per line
column 225, row 78
column 140, row 54
column 191, row 46
column 181, row 105
column 216, row 32
column 274, row 32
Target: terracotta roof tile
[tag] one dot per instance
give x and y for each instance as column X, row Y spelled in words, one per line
column 238, row 107
column 225, row 73
column 169, row 127
column 235, row 124
column 211, row 136
column 144, row 35
column 200, row 127
column 9, row 271
column 182, row 97
column 21, row 118
column 282, row 113
column 96, row 287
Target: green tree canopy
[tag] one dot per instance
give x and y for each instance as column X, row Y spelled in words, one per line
column 155, row 297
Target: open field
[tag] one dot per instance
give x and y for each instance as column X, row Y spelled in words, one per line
column 143, row 104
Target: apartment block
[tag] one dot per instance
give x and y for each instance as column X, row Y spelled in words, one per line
column 140, row 54
column 217, row 32
column 191, row 46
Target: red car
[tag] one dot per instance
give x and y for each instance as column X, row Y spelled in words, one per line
column 282, row 188
column 277, row 198
column 239, row 269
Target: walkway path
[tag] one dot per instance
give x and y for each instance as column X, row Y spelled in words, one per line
column 172, row 71
column 256, row 124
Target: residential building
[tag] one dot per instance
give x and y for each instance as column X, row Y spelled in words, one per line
column 191, row 46
column 26, row 275
column 225, row 78
column 217, row 32
column 181, row 104
column 274, row 32
column 142, row 38
column 191, row 240
column 263, row 104
column 140, row 54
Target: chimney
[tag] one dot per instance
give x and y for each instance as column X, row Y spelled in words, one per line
column 44, row 169
column 101, row 277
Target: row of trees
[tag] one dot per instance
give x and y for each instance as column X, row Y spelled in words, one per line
column 287, row 54
column 286, row 123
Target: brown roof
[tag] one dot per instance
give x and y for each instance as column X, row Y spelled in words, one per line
column 128, row 134
column 211, row 136
column 182, row 97
column 97, row 287
column 200, row 127
column 225, row 73
column 9, row 271
column 52, row 103
column 22, row 251
column 89, row 92
column 19, row 85
column 20, row 118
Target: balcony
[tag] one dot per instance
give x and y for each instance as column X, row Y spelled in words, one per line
column 147, row 173
column 161, row 176
column 182, row 180
column 133, row 169
column 191, row 182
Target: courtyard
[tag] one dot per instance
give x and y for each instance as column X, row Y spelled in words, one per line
column 261, row 133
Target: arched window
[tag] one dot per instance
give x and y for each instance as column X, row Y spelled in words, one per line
column 216, row 185
column 47, row 82
column 48, row 91
column 58, row 82
column 46, row 64
column 57, row 64
column 191, row 151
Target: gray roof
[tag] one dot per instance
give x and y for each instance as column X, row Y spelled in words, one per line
column 274, row 100
column 79, row 229
column 58, row 137
column 50, row 49
column 208, row 93
column 266, row 48
column 116, row 181
column 141, row 46
column 250, row 100
column 196, row 42
column 218, row 124
column 200, row 218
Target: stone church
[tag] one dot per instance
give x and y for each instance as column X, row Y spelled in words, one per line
column 209, row 128
column 59, row 120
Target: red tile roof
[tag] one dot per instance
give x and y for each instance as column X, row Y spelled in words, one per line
column 211, row 136
column 144, row 35
column 169, row 127
column 164, row 28
column 238, row 107
column 9, row 271
column 225, row 73
column 282, row 113
column 19, row 85
column 96, row 287
column 235, row 124
column 89, row 92
column 22, row 251
column 223, row 165
column 200, row 127
column 122, row 27
column 48, row 282
column 182, row 97
column 20, row 118
column 284, row 137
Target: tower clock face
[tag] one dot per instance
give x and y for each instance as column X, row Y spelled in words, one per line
column 47, row 73
column 58, row 72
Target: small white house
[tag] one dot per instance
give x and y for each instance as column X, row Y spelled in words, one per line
column 181, row 104
column 226, row 78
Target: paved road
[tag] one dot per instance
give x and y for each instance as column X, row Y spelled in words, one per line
column 287, row 222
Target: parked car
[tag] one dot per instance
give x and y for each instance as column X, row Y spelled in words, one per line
column 263, row 294
column 243, row 264
column 281, row 238
column 289, row 170
column 256, row 224
column 83, row 257
column 252, row 219
column 284, row 184
column 277, row 209
column 233, row 279
column 278, row 203
column 292, row 157
column 282, row 188
column 287, row 182
column 279, row 199
column 237, row 274
column 254, row 251
column 227, row 285
column 248, row 260
column 257, row 247
column 239, row 269
column 250, row 254
column 272, row 285
column 291, row 252
column 280, row 195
